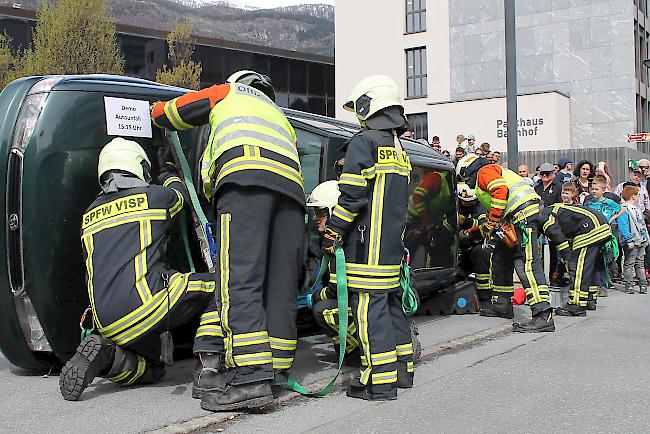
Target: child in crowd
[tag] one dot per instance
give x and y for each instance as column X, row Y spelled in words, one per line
column 635, row 236
column 607, row 207
column 570, row 193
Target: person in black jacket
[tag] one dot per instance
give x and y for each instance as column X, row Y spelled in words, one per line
column 579, row 233
column 368, row 221
column 549, row 190
column 135, row 297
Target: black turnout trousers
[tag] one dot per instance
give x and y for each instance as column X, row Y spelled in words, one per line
column 260, row 241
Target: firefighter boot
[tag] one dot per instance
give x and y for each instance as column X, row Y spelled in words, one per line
column 360, row 391
column 209, row 374
column 239, row 397
column 591, row 305
column 571, row 310
column 404, row 377
column 541, row 322
column 500, row 306
column 94, row 356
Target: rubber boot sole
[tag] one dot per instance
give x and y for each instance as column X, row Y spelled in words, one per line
column 249, row 404
column 566, row 312
column 493, row 314
column 367, row 396
column 89, row 360
column 518, row 328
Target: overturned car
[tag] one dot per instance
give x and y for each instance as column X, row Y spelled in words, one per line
column 51, row 132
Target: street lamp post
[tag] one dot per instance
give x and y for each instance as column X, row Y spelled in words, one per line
column 511, row 84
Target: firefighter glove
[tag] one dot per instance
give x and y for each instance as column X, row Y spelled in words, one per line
column 487, row 228
column 331, row 240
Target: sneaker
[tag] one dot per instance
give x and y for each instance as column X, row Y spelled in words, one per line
column 542, row 322
column 643, row 290
column 629, row 290
column 94, row 355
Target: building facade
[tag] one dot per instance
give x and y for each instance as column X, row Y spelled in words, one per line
column 581, row 78
column 302, row 81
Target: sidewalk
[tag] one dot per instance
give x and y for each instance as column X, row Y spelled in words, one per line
column 33, row 403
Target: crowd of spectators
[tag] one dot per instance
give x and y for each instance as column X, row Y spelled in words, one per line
column 626, row 205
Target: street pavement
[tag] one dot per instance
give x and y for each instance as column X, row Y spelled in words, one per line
column 592, row 375
column 32, row 403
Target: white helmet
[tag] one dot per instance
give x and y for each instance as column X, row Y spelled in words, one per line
column 324, row 195
column 254, row 79
column 371, row 95
column 465, row 193
column 467, row 168
column 124, row 155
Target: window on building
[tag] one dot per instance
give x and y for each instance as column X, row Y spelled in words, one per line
column 416, row 16
column 420, row 124
column 416, row 72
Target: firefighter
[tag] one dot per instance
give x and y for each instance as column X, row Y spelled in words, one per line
column 579, row 233
column 475, row 254
column 135, row 297
column 251, row 173
column 514, row 206
column 324, row 303
column 425, row 206
column 368, row 221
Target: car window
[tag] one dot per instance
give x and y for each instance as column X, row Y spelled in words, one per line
column 309, row 152
column 431, row 227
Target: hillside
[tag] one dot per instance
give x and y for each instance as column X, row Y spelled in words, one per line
column 306, row 28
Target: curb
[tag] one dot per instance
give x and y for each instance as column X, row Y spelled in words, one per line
column 205, row 423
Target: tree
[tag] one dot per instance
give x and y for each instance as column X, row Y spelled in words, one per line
column 10, row 62
column 184, row 72
column 74, row 37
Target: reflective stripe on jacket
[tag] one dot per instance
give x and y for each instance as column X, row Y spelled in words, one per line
column 371, row 211
column 503, row 192
column 251, row 141
column 574, row 226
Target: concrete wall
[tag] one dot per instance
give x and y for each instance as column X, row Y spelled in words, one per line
column 582, row 48
column 371, row 39
column 543, row 121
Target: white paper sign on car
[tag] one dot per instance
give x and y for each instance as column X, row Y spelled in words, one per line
column 127, row 117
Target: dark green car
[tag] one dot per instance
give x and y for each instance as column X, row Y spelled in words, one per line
column 51, row 132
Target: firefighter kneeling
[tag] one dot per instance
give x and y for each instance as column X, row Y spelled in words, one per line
column 513, row 214
column 475, row 254
column 136, row 299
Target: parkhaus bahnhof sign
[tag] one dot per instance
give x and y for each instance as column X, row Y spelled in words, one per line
column 543, row 121
column 525, row 127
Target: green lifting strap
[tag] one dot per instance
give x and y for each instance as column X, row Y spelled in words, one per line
column 172, row 137
column 409, row 300
column 187, row 175
column 186, row 241
column 342, row 296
